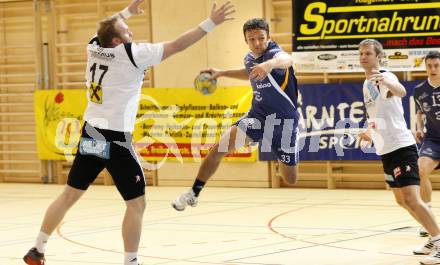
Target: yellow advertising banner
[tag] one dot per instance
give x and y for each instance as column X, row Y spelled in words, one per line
column 172, row 124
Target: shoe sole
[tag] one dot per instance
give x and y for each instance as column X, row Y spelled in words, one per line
column 420, row 253
column 29, row 261
column 177, row 209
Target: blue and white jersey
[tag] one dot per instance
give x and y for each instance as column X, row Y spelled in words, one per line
column 278, row 92
column 427, row 100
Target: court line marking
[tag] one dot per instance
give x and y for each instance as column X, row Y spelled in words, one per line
column 315, row 244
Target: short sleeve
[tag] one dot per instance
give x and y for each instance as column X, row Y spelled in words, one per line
column 416, row 100
column 393, row 76
column 274, row 52
column 147, row 54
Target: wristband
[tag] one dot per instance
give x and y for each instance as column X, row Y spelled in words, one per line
column 207, row 25
column 125, row 14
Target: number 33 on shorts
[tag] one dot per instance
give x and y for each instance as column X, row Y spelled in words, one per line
column 285, row 158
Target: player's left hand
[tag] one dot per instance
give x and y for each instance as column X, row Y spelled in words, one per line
column 260, row 71
column 133, row 7
column 378, row 78
column 365, row 139
column 419, row 135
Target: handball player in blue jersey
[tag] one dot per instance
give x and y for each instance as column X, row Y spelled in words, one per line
column 273, row 117
column 427, row 98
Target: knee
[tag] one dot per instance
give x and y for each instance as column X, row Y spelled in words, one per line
column 291, row 178
column 402, row 203
column 70, row 196
column 137, row 205
column 411, row 202
column 423, row 173
column 217, row 152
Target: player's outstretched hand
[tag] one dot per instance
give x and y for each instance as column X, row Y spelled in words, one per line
column 419, row 135
column 260, row 71
column 133, row 7
column 377, row 77
column 215, row 73
column 223, row 13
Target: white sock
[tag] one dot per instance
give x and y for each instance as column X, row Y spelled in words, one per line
column 436, row 240
column 130, row 258
column 41, row 241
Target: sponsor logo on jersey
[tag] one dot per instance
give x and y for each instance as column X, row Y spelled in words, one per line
column 426, row 107
column 261, row 86
column 102, row 55
column 423, row 95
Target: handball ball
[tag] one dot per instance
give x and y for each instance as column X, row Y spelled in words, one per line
column 204, row 85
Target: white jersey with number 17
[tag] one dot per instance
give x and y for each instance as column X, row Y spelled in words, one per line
column 114, row 79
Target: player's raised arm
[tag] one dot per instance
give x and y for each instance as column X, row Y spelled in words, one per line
column 281, row 61
column 132, row 9
column 217, row 17
column 419, row 134
column 233, row 73
column 393, row 84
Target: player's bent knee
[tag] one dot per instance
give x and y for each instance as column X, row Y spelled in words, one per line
column 290, row 178
column 217, row 153
column 411, row 202
column 401, row 203
column 424, row 174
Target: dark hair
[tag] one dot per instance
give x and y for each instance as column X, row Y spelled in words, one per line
column 432, row 55
column 107, row 31
column 255, row 23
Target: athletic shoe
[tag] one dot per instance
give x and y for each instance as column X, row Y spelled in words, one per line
column 186, row 198
column 426, row 249
column 33, row 257
column 433, row 258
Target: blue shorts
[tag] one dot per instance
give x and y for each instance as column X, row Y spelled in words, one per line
column 430, row 149
column 278, row 134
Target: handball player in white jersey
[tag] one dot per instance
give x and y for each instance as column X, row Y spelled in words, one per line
column 395, row 143
column 114, row 74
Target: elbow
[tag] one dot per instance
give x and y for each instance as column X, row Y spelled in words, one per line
column 176, row 48
column 402, row 93
column 399, row 91
column 287, row 62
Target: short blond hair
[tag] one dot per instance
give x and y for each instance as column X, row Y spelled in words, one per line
column 378, row 48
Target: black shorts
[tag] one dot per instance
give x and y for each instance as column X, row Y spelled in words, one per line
column 400, row 167
column 113, row 150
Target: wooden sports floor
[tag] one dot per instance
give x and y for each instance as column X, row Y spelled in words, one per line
column 229, row 226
